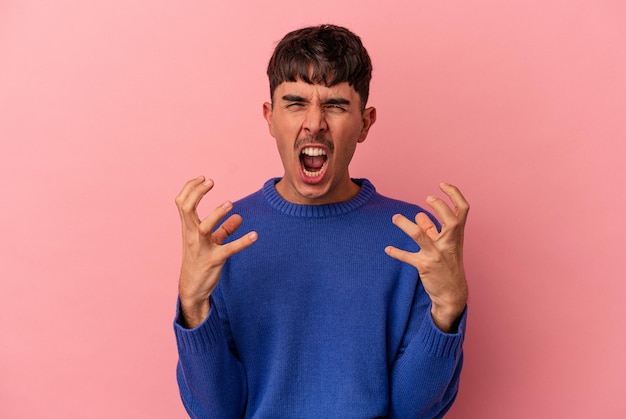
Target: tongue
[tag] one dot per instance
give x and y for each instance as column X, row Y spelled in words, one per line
column 313, row 163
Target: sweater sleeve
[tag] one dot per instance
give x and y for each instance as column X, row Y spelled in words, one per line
column 425, row 374
column 210, row 378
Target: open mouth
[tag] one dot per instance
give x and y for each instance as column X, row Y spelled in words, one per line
column 313, row 161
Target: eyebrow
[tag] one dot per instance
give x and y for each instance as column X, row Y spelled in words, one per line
column 294, row 98
column 330, row 101
column 337, row 101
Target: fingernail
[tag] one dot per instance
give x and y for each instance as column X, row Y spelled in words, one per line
column 227, row 205
column 253, row 236
column 430, row 198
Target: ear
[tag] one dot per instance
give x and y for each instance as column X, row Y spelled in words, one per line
column 369, row 117
column 267, row 114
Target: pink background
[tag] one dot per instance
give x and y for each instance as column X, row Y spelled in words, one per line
column 107, row 108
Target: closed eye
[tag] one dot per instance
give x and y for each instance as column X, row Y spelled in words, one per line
column 337, row 104
column 336, row 108
column 294, row 101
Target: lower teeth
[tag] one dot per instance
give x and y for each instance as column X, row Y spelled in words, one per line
column 312, row 174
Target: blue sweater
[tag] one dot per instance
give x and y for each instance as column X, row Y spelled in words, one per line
column 316, row 321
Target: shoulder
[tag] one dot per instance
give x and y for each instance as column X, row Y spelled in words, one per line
column 390, row 206
column 254, row 200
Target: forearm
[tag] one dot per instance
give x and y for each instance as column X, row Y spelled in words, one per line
column 425, row 376
column 211, row 380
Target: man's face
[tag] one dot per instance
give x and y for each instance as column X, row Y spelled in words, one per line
column 317, row 129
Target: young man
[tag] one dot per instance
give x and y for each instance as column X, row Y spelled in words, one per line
column 317, row 297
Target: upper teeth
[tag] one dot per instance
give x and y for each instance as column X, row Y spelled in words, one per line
column 314, row 151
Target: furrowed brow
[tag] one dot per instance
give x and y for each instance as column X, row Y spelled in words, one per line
column 336, row 101
column 294, row 98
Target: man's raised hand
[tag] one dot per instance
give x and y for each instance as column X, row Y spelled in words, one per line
column 440, row 259
column 204, row 253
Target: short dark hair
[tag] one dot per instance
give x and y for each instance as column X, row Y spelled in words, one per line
column 325, row 54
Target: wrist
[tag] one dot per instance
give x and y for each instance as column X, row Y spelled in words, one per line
column 447, row 316
column 193, row 312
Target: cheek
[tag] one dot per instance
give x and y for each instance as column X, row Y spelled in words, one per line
column 285, row 145
column 347, row 140
column 345, row 152
column 286, row 130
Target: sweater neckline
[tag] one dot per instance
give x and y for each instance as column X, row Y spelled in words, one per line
column 297, row 210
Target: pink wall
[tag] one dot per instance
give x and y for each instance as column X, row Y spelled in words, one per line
column 106, row 108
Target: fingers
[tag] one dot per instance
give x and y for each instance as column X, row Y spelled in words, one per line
column 240, row 244
column 227, row 228
column 457, row 198
column 187, row 202
column 424, row 231
column 207, row 225
column 189, row 197
column 426, row 224
column 401, row 255
column 460, row 203
column 448, row 217
column 416, row 232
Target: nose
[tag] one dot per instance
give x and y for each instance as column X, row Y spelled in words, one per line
column 315, row 121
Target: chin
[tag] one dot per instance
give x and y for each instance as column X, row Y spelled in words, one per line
column 309, row 194
column 312, row 192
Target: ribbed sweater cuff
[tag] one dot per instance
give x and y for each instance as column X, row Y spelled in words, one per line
column 441, row 344
column 201, row 338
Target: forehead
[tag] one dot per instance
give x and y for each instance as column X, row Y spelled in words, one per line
column 313, row 91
